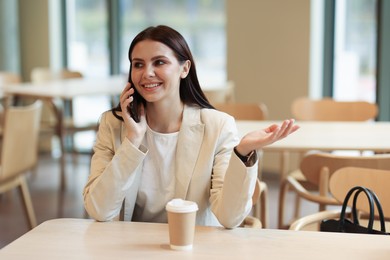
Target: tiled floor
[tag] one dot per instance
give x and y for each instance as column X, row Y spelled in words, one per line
column 50, row 203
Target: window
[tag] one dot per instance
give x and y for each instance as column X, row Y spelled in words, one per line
column 355, row 50
column 87, row 52
column 202, row 23
column 87, row 35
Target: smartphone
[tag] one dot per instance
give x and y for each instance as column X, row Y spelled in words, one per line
column 133, row 108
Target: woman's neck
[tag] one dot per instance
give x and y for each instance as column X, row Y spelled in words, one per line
column 164, row 118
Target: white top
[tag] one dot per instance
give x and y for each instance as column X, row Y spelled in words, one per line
column 157, row 185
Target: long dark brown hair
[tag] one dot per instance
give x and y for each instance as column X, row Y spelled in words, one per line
column 190, row 90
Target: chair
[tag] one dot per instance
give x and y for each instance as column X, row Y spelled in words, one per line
column 19, row 152
column 71, row 128
column 40, row 75
column 221, row 94
column 244, row 111
column 251, row 111
column 7, row 78
column 326, row 109
column 341, row 182
column 318, row 168
column 250, row 221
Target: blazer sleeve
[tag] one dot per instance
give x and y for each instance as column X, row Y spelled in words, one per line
column 114, row 171
column 233, row 183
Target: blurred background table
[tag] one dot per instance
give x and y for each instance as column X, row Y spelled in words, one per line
column 58, row 92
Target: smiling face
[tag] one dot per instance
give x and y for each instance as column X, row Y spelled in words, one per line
column 156, row 72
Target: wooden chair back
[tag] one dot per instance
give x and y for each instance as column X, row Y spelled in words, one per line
column 221, row 94
column 256, row 192
column 20, row 140
column 69, row 74
column 7, row 78
column 244, row 111
column 319, row 167
column 328, row 109
column 42, row 74
column 251, row 221
column 377, row 180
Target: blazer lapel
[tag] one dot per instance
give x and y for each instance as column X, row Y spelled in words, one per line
column 188, row 147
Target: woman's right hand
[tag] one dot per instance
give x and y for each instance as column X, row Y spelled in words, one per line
column 135, row 131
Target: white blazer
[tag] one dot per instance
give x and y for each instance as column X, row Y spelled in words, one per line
column 207, row 170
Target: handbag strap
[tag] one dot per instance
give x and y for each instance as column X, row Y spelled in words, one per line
column 372, row 200
column 380, row 210
column 354, row 211
column 371, row 205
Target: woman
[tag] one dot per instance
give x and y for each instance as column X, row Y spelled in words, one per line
column 165, row 141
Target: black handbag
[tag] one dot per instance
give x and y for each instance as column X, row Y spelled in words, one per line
column 345, row 225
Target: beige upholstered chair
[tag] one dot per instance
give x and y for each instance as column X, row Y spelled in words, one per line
column 7, row 78
column 251, row 111
column 19, row 152
column 319, row 167
column 341, row 182
column 326, row 109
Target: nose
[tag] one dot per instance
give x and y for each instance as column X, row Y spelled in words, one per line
column 149, row 71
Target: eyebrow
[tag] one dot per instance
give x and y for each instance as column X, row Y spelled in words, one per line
column 153, row 58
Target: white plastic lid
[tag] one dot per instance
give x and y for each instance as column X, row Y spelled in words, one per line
column 181, row 206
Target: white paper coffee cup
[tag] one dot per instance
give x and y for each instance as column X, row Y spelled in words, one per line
column 181, row 222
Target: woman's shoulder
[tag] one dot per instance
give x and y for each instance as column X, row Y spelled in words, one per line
column 217, row 122
column 215, row 114
column 208, row 116
column 216, row 119
column 109, row 118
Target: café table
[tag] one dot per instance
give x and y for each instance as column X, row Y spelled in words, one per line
column 324, row 136
column 86, row 239
column 63, row 90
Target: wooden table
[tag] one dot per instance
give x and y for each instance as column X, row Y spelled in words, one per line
column 325, row 136
column 87, row 239
column 66, row 90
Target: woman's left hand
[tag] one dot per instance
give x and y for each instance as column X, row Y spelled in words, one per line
column 258, row 139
